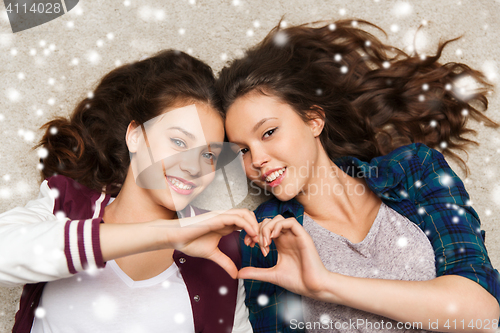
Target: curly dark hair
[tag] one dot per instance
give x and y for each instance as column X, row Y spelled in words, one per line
column 90, row 146
column 373, row 97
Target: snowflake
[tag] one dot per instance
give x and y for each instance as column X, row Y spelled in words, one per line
column 465, row 86
column 40, row 312
column 332, row 26
column 446, row 180
column 344, row 69
column 60, row 215
column 54, row 193
column 26, row 134
column 93, row 57
column 6, row 40
column 280, row 38
column 43, row 152
column 342, row 12
column 70, row 24
column 402, row 241
column 223, row 290
column 179, row 318
column 249, row 33
column 256, row 24
column 490, row 69
column 263, row 300
column 13, row 94
column 325, row 319
column 165, row 284
column 402, row 9
column 5, row 193
column 495, row 195
column 394, row 28
column 105, row 308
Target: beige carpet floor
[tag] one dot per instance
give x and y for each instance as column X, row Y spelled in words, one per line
column 44, row 71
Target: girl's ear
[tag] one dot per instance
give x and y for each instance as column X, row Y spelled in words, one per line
column 133, row 135
column 316, row 120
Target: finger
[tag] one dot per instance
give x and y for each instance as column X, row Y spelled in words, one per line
column 225, row 262
column 262, row 243
column 224, row 220
column 247, row 215
column 266, row 230
column 253, row 273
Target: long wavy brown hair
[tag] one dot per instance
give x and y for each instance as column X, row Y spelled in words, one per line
column 90, row 146
column 373, row 96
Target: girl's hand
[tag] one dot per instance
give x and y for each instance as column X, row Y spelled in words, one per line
column 299, row 267
column 199, row 236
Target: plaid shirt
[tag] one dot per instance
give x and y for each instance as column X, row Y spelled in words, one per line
column 418, row 183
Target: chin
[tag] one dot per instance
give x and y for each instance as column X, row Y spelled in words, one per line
column 283, row 195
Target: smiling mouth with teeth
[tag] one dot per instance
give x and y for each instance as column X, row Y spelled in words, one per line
column 272, row 177
column 178, row 184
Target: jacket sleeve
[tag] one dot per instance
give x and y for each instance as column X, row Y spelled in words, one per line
column 451, row 224
column 37, row 245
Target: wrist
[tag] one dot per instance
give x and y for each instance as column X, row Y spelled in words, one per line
column 161, row 232
column 329, row 289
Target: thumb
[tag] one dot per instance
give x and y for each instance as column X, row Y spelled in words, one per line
column 253, row 273
column 225, row 262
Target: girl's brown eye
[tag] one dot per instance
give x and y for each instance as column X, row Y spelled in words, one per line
column 270, row 132
column 243, row 150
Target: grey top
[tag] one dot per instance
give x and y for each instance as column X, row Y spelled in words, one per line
column 395, row 248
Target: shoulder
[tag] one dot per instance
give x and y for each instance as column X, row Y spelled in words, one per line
column 416, row 155
column 73, row 198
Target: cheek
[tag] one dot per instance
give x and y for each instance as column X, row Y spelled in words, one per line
column 250, row 171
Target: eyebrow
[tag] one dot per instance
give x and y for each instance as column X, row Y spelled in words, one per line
column 215, row 145
column 262, row 122
column 183, row 131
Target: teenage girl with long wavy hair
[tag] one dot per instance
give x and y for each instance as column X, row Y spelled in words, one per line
column 97, row 252
column 369, row 224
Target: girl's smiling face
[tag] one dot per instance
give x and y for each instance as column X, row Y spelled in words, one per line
column 279, row 148
column 174, row 154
